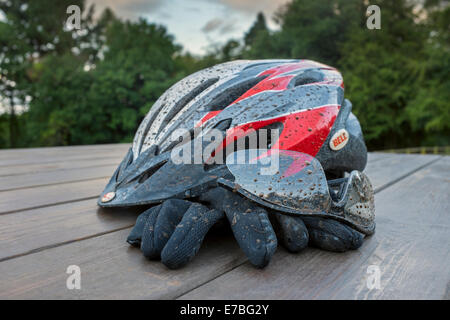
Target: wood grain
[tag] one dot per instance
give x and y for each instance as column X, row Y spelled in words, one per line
column 33, row 230
column 393, row 167
column 54, row 155
column 111, row 269
column 21, row 152
column 410, row 247
column 375, row 156
column 57, row 176
column 23, row 199
column 77, row 233
column 8, row 171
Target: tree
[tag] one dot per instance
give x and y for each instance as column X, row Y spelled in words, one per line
column 259, row 42
column 138, row 66
column 79, row 103
column 59, row 101
column 317, row 29
column 429, row 112
column 381, row 73
column 30, row 32
column 257, row 27
column 396, row 77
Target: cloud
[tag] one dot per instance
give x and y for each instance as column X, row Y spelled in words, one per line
column 254, row 6
column 195, row 23
column 228, row 28
column 128, row 9
column 219, row 25
column 212, row 25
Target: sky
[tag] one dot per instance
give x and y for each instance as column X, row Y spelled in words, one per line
column 196, row 24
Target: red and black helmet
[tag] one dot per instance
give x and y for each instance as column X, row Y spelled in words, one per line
column 302, row 99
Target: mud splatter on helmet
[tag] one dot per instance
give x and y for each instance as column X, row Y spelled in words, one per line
column 302, row 99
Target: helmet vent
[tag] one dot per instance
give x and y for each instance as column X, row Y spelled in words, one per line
column 148, row 173
column 303, row 81
column 228, row 96
column 223, row 125
column 308, row 77
column 186, row 138
column 188, row 98
column 247, row 143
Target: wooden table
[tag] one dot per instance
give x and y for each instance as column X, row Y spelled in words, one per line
column 49, row 220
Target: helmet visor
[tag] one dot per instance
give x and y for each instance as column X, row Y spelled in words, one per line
column 287, row 179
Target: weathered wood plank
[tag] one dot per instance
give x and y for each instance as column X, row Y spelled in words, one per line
column 53, row 177
column 11, row 164
column 393, row 167
column 375, row 156
column 32, row 230
column 22, row 199
column 110, row 269
column 39, row 156
column 410, row 247
column 18, row 170
column 20, row 152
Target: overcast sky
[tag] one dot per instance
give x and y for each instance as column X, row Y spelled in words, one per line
column 196, row 24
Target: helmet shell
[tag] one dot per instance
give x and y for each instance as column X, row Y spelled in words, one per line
column 303, row 99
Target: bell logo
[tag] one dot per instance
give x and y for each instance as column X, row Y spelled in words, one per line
column 339, row 140
column 108, row 196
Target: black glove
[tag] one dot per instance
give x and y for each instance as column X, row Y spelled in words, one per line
column 174, row 230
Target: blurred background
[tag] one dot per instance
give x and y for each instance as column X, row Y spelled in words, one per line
column 66, row 86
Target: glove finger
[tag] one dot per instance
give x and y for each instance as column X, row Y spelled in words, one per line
column 332, row 235
column 254, row 233
column 160, row 225
column 188, row 236
column 135, row 236
column 294, row 234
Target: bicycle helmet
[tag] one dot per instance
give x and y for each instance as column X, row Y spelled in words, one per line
column 303, row 99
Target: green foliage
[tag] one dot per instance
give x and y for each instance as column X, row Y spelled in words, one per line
column 381, row 74
column 95, row 86
column 397, row 78
column 107, row 102
column 312, row 29
column 429, row 110
column 31, row 32
column 257, row 28
column 4, row 131
column 56, row 111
